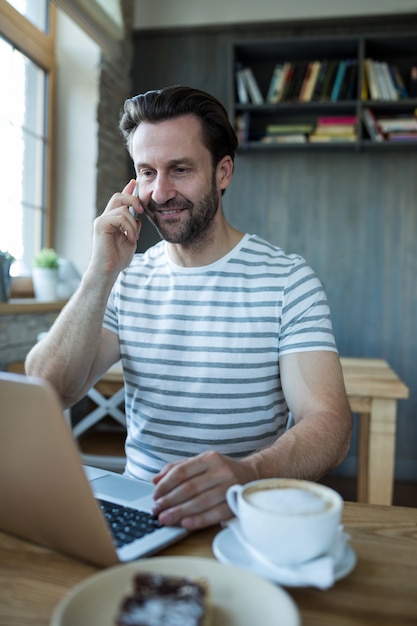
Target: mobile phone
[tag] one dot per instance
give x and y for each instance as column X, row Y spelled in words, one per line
column 131, row 209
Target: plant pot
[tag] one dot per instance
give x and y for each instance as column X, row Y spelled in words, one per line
column 45, row 281
column 5, row 264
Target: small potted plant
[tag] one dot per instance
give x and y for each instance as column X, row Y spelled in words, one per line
column 45, row 275
column 6, row 260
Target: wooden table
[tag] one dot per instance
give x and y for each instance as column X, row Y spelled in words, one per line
column 382, row 589
column 373, row 389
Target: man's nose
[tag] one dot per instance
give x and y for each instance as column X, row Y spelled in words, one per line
column 163, row 189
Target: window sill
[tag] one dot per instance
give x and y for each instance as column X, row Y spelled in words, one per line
column 29, row 305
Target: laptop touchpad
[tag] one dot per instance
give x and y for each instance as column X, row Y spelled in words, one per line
column 123, row 488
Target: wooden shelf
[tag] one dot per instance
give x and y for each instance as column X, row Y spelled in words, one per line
column 29, row 305
column 261, row 56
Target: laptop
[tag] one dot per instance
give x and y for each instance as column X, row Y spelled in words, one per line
column 48, row 497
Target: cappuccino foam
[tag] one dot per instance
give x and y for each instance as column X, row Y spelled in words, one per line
column 289, row 501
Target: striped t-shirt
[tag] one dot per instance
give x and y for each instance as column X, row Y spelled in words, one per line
column 200, row 349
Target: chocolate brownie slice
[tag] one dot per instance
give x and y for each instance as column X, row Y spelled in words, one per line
column 159, row 600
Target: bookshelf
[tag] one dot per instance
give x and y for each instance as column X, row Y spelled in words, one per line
column 326, row 80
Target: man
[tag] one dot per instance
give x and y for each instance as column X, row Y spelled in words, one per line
column 221, row 334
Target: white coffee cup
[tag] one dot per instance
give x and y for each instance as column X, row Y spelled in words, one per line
column 289, row 521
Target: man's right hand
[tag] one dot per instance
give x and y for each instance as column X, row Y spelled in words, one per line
column 116, row 232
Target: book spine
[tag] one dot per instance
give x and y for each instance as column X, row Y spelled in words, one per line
column 328, row 81
column 282, row 82
column 412, row 83
column 309, row 89
column 286, row 88
column 295, row 83
column 349, row 120
column 253, row 87
column 383, row 86
column 242, row 129
column 398, row 82
column 299, row 80
column 343, row 91
column 242, row 92
column 371, row 78
column 352, row 86
column 392, row 92
column 402, row 136
column 306, row 80
column 319, row 81
column 273, row 86
column 334, row 96
column 372, row 126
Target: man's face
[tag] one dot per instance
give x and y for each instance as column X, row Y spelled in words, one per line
column 176, row 182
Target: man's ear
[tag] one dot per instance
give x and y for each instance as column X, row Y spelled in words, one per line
column 224, row 172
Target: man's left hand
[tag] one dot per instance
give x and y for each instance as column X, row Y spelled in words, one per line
column 192, row 493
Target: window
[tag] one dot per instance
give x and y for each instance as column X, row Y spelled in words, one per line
column 27, row 73
column 36, row 12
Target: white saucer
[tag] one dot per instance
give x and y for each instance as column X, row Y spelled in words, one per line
column 228, row 549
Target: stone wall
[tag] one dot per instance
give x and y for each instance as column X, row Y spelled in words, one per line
column 19, row 332
column 113, row 168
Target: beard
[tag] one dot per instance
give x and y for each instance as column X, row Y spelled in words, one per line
column 196, row 228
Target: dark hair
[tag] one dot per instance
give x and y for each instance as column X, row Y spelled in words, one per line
column 158, row 105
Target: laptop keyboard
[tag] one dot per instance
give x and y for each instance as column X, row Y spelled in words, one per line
column 127, row 524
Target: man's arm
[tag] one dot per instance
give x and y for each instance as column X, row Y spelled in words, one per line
column 192, row 492
column 314, row 389
column 77, row 351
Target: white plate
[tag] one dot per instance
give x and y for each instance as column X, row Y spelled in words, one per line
column 238, row 598
column 228, row 549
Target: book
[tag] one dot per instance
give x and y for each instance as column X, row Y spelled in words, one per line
column 371, row 79
column 242, row 128
column 293, row 87
column 315, row 138
column 275, row 129
column 328, row 80
column 402, row 136
column 242, row 92
column 274, row 84
column 383, row 93
column 335, row 93
column 352, row 82
column 319, row 81
column 306, row 80
column 349, row 120
column 252, row 86
column 392, row 92
column 337, row 126
column 290, row 138
column 336, row 131
column 299, row 76
column 371, row 125
column 386, row 86
column 397, row 124
column 365, row 93
column 286, row 87
column 282, row 81
column 412, row 83
column 308, row 91
column 344, row 87
column 398, row 82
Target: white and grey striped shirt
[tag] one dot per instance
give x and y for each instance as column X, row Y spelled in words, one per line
column 200, row 349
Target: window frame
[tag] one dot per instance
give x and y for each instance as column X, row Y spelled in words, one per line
column 40, row 48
